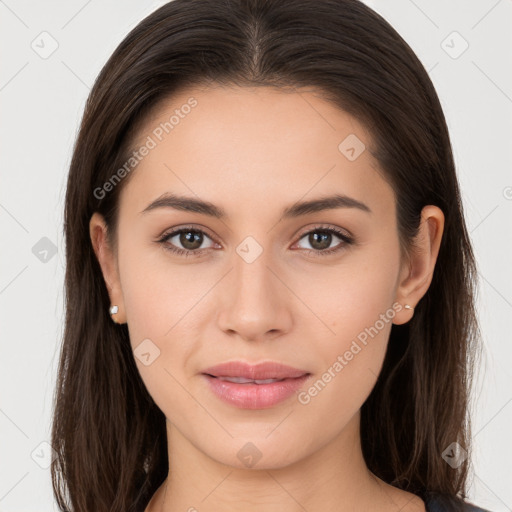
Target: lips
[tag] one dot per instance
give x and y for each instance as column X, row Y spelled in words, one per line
column 260, row 386
column 257, row 386
column 263, row 373
column 243, row 380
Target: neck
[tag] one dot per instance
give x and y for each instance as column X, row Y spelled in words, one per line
column 334, row 478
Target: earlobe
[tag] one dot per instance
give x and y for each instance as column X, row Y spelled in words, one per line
column 107, row 261
column 417, row 274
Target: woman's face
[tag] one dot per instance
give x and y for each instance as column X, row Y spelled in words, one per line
column 258, row 284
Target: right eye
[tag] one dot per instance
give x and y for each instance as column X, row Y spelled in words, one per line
column 190, row 239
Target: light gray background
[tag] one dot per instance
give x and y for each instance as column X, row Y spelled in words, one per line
column 42, row 101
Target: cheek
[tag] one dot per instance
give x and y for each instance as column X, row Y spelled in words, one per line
column 161, row 336
column 351, row 359
column 355, row 302
column 158, row 293
column 163, row 305
column 351, row 296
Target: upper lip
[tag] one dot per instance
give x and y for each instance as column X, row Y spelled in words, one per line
column 267, row 370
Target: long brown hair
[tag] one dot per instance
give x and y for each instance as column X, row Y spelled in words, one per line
column 108, row 434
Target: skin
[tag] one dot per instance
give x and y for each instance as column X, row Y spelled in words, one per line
column 254, row 152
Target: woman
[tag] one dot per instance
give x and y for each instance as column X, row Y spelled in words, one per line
column 270, row 284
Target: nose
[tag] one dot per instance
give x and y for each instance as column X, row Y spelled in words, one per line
column 255, row 303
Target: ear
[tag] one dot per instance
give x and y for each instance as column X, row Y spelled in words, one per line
column 416, row 273
column 108, row 263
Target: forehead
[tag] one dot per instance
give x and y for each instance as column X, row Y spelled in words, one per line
column 258, row 145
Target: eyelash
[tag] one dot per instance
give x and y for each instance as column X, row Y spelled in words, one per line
column 346, row 240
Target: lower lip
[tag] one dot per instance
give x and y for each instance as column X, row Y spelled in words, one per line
column 255, row 396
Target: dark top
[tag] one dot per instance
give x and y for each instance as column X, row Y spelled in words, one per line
column 438, row 503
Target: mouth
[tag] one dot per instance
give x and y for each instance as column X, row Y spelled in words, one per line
column 243, row 380
column 241, row 372
column 254, row 387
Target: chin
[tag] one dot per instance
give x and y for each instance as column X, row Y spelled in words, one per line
column 258, row 452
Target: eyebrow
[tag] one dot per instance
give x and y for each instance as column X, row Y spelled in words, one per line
column 191, row 204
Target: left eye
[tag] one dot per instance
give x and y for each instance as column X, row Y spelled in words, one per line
column 321, row 239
